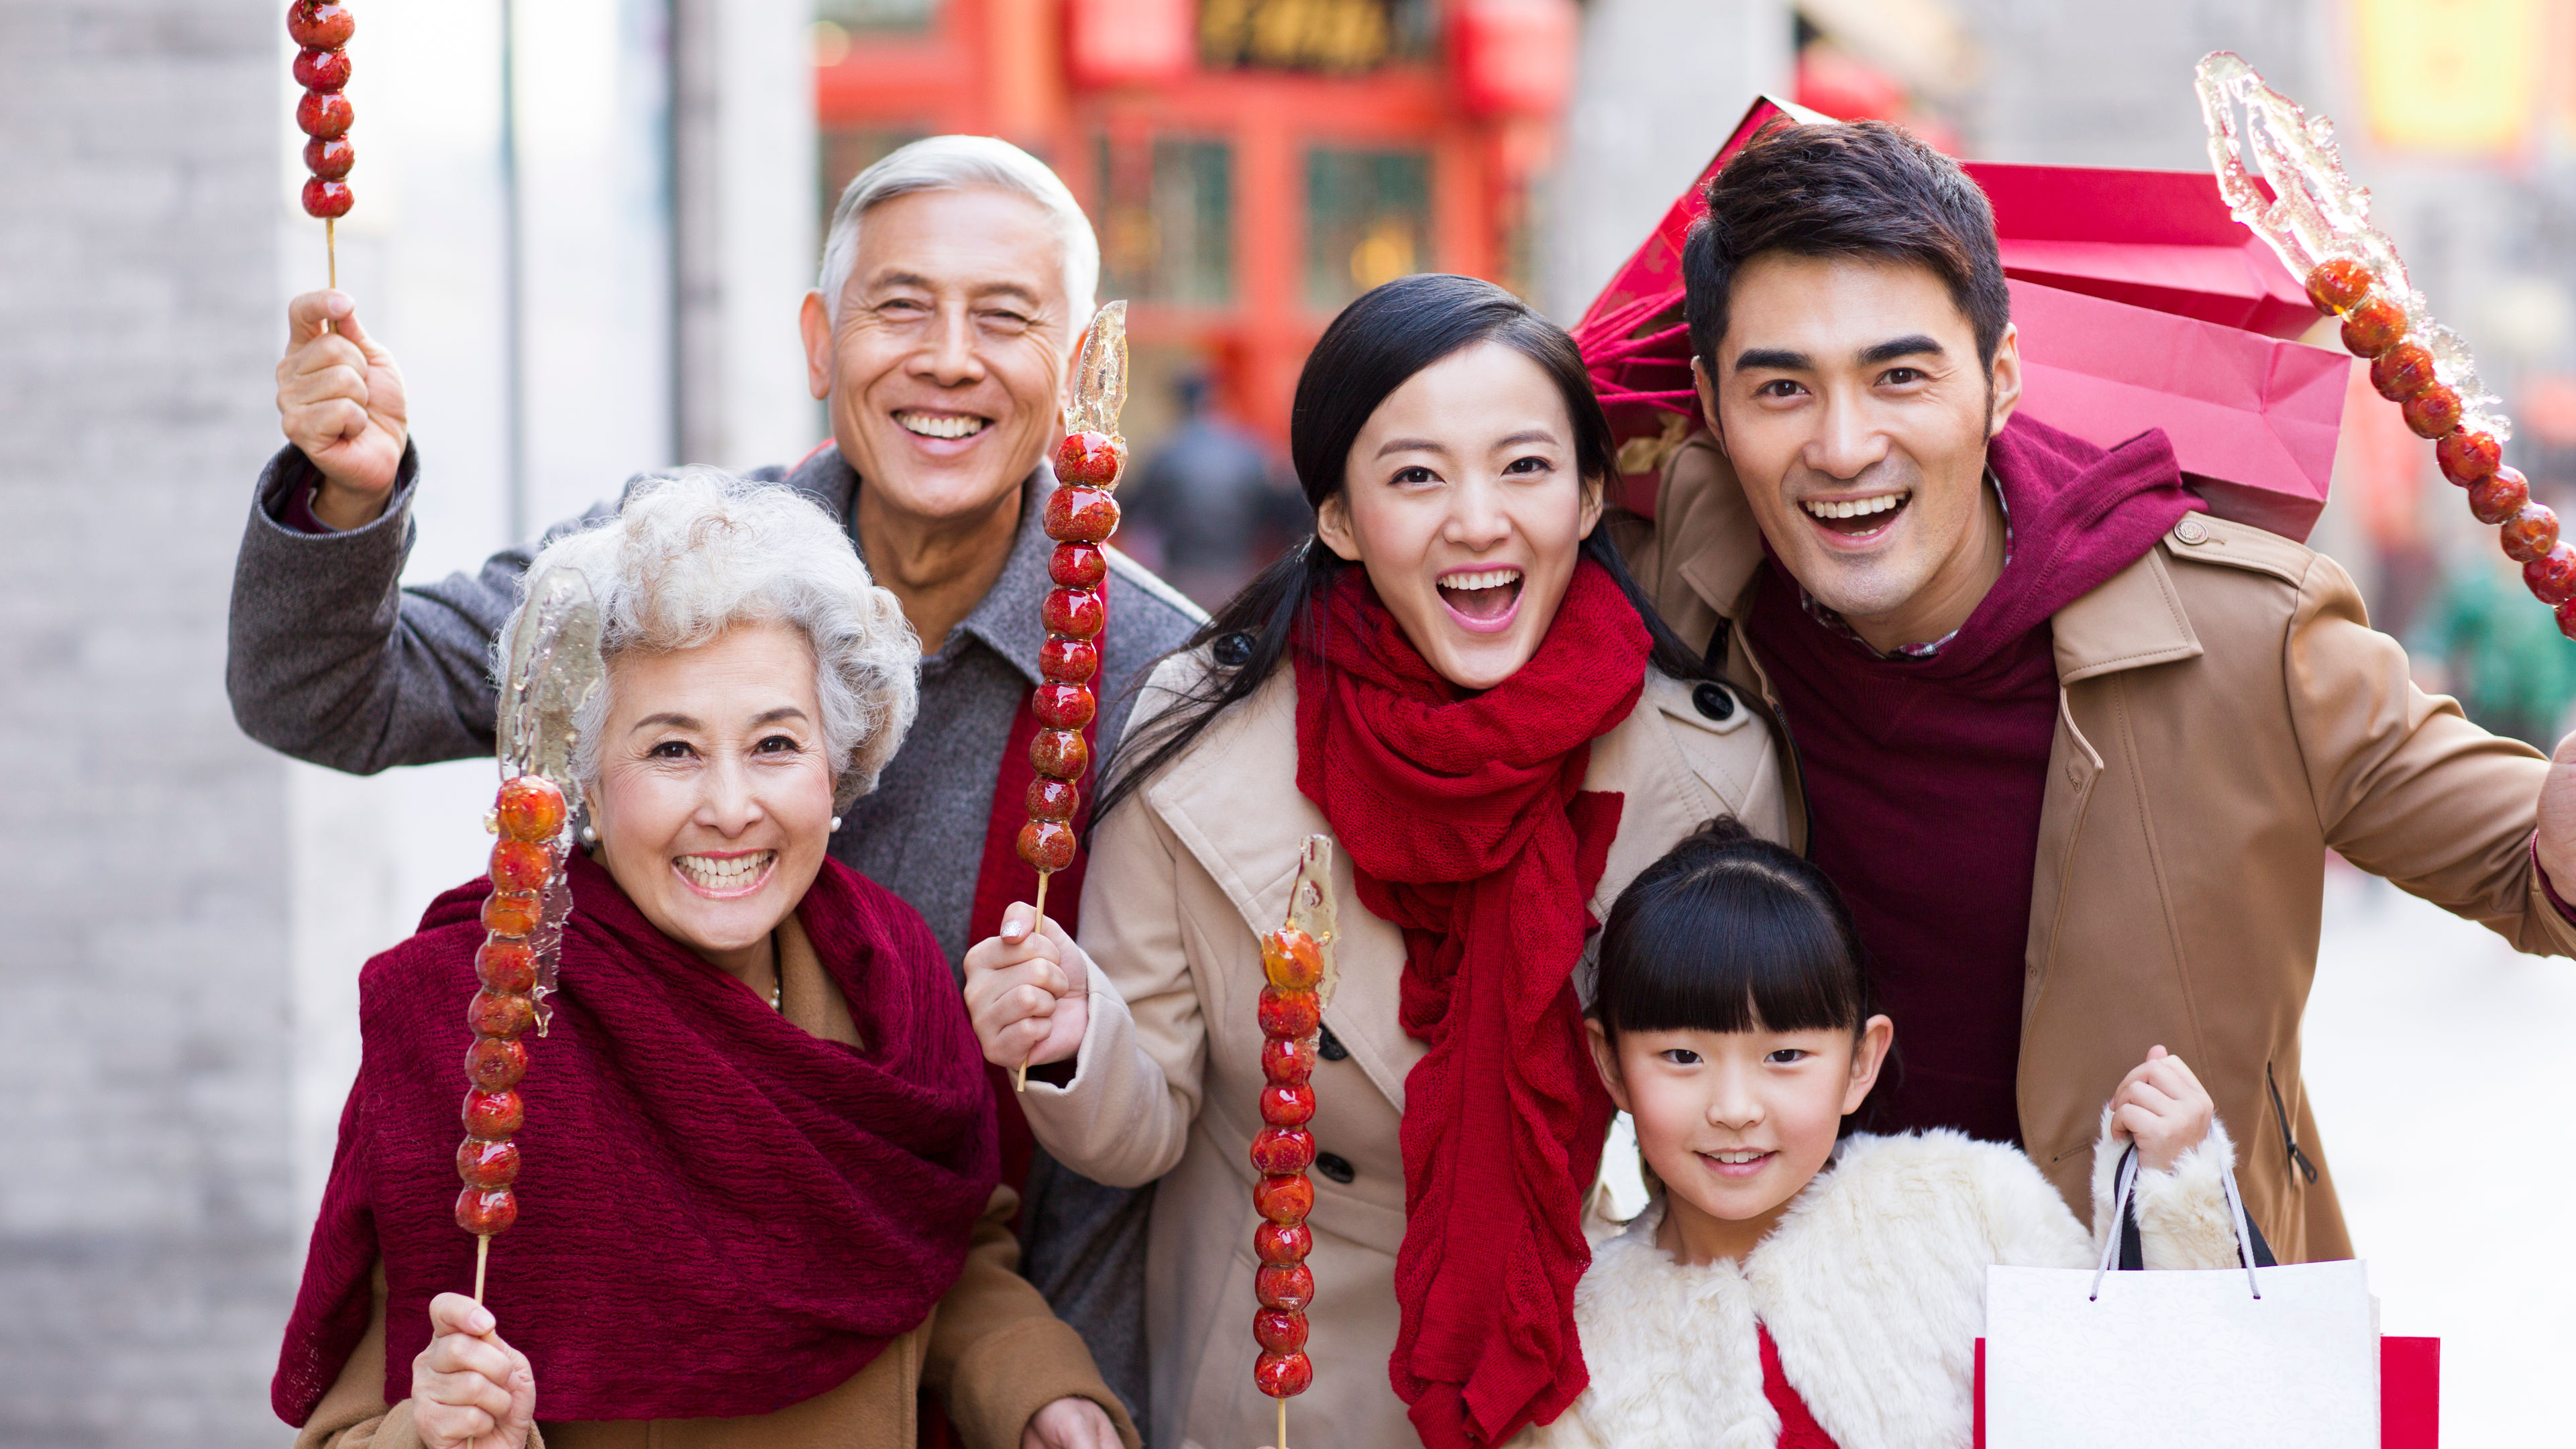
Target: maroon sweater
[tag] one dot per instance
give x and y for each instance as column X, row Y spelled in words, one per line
column 1924, row 776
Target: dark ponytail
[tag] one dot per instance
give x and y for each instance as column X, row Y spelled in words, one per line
column 1375, row 346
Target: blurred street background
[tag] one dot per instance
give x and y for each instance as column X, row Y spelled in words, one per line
column 584, row 227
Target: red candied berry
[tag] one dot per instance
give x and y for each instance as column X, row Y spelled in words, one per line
column 1290, row 1013
column 493, row 1115
column 1047, row 845
column 1279, row 1330
column 1279, row 1150
column 2551, row 577
column 2567, row 618
column 1060, row 753
column 521, row 865
column 1063, row 706
column 492, row 1013
column 2433, row 412
column 2402, row 371
column 2499, row 496
column 1050, row 799
column 1283, row 1375
column 529, row 808
column 329, row 157
column 2467, row 457
column 321, row 70
column 513, row 913
column 1068, row 661
column 1282, row 1243
column 506, row 964
column 1291, row 959
column 486, row 1212
column 1080, row 515
column 1078, row 566
column 328, row 199
column 2531, row 532
column 1284, row 1200
column 1074, row 613
column 1088, row 457
column 1287, row 1061
column 320, row 24
column 324, row 113
column 487, row 1164
column 1284, row 1285
column 495, row 1064
column 2372, row 328
column 1288, row 1106
column 2337, row 282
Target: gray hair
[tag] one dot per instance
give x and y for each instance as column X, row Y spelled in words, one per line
column 952, row 163
column 691, row 555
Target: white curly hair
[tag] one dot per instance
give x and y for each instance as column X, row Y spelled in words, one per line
column 691, row 555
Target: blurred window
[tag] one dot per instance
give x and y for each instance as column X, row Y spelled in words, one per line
column 1166, row 220
column 1328, row 35
column 878, row 14
column 846, row 152
column 1368, row 221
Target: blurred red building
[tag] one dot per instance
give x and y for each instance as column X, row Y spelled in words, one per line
column 1250, row 165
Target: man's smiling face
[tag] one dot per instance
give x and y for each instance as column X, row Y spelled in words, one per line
column 944, row 359
column 1849, row 397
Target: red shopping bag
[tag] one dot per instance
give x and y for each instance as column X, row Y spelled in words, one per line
column 2141, row 304
column 2410, row 1393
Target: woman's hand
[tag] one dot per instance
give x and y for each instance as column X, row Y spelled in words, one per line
column 470, row 1390
column 2163, row 1108
column 1070, row 1423
column 1028, row 993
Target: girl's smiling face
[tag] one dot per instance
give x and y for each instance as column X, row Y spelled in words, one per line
column 1736, row 1124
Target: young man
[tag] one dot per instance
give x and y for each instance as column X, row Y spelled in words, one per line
column 956, row 277
column 2074, row 748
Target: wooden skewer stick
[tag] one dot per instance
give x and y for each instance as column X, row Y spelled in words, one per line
column 482, row 1256
column 1283, row 1425
column 1020, row 1077
column 331, row 248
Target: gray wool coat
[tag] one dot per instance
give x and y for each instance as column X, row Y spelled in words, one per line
column 333, row 661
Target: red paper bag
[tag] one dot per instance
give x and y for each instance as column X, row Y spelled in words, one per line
column 2410, row 1393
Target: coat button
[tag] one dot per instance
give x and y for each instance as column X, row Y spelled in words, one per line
column 2192, row 530
column 1335, row 1166
column 1711, row 699
column 1329, row 1046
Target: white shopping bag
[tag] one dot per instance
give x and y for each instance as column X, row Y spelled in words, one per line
column 2109, row 1360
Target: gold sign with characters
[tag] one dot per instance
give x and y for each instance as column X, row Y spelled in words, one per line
column 1333, row 35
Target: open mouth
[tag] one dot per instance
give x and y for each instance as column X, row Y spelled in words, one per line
column 949, row 426
column 1858, row 517
column 726, row 876
column 1482, row 598
column 1743, row 1162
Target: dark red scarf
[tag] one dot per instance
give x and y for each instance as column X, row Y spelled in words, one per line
column 1468, row 826
column 720, row 1214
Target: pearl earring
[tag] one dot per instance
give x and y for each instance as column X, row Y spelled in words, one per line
column 836, row 823
column 590, row 835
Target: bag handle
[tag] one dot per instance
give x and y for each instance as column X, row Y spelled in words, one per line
column 2127, row 1183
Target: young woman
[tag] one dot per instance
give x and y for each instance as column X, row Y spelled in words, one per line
column 1789, row 1285
column 1456, row 679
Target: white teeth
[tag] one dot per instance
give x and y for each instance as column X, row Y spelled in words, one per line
column 1857, row 507
column 1489, row 579
column 940, row 425
column 725, row 873
column 1738, row 1157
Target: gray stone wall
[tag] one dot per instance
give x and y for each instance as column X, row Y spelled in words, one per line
column 145, row 1213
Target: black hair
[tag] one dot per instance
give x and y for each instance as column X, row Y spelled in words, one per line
column 1729, row 932
column 1374, row 347
column 1846, row 189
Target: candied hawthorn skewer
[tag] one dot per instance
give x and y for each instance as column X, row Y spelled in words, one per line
column 529, row 816
column 1080, row 516
column 323, row 28
column 1296, row 962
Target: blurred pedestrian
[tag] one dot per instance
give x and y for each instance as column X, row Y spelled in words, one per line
column 1211, row 505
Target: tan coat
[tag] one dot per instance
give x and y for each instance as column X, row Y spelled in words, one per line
column 1168, row 1078
column 2226, row 717
column 991, row 1350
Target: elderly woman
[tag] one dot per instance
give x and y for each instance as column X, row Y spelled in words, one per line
column 760, row 1194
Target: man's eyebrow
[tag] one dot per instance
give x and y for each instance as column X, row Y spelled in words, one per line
column 1009, row 289
column 1916, row 345
column 902, row 279
column 1773, row 359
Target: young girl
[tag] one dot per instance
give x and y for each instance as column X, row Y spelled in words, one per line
column 1788, row 1285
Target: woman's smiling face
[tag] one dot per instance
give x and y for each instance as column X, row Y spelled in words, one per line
column 714, row 801
column 1463, row 500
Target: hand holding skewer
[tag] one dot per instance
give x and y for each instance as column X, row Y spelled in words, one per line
column 1028, row 992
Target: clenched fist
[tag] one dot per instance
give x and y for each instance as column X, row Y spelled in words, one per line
column 341, row 401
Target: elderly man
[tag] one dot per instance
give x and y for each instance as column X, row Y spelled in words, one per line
column 2075, row 749
column 956, row 277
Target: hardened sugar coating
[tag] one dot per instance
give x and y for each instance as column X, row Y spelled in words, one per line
column 552, row 667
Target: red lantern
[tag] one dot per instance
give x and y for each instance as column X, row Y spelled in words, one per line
column 1514, row 57
column 1130, row 42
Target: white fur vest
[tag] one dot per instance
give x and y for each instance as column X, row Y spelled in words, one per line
column 1873, row 1286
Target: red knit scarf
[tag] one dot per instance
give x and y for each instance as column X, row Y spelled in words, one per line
column 1468, row 827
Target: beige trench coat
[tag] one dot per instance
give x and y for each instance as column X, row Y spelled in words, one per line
column 2226, row 716
column 1167, row 1081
